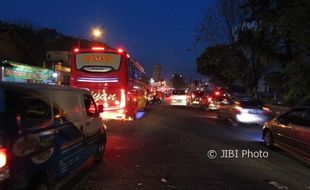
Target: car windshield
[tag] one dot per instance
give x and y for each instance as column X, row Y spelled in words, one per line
column 178, row 92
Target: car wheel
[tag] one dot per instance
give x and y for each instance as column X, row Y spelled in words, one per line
column 100, row 151
column 268, row 138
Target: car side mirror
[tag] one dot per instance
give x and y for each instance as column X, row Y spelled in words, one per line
column 100, row 108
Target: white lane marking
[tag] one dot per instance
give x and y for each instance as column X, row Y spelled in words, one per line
column 278, row 185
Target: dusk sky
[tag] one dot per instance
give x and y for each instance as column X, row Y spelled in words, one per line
column 153, row 32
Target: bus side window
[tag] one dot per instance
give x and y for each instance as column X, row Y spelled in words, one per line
column 130, row 70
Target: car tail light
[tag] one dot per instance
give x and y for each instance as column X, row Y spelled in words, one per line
column 266, row 110
column 3, row 157
column 238, row 109
column 123, row 99
column 217, row 93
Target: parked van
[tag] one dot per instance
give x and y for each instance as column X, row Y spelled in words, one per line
column 47, row 133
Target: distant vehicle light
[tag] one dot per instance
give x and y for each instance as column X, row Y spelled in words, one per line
column 193, row 96
column 97, row 48
column 128, row 56
column 209, row 99
column 217, row 93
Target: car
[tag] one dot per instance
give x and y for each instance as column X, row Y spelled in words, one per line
column 212, row 100
column 196, row 97
column 179, row 98
column 290, row 131
column 244, row 111
column 47, row 133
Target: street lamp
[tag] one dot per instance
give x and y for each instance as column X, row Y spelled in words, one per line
column 96, row 32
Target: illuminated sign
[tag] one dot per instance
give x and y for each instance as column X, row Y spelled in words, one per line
column 27, row 72
column 97, row 58
column 102, row 96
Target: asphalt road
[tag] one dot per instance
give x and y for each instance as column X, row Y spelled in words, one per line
column 168, row 149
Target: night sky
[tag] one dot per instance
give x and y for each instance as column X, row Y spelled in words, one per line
column 152, row 31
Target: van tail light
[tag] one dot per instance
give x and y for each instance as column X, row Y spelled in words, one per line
column 238, row 109
column 123, row 99
column 3, row 157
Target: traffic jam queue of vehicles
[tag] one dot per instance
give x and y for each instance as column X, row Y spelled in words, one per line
column 117, row 82
column 47, row 134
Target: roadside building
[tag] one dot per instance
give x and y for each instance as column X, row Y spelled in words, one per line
column 156, row 73
column 59, row 61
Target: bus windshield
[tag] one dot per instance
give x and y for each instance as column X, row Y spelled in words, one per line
column 98, row 62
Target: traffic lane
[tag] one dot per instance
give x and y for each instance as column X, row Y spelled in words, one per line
column 168, row 149
column 248, row 137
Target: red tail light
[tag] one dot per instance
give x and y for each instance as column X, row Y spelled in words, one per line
column 123, row 99
column 97, row 48
column 209, row 99
column 266, row 110
column 3, row 157
column 217, row 93
column 238, row 109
